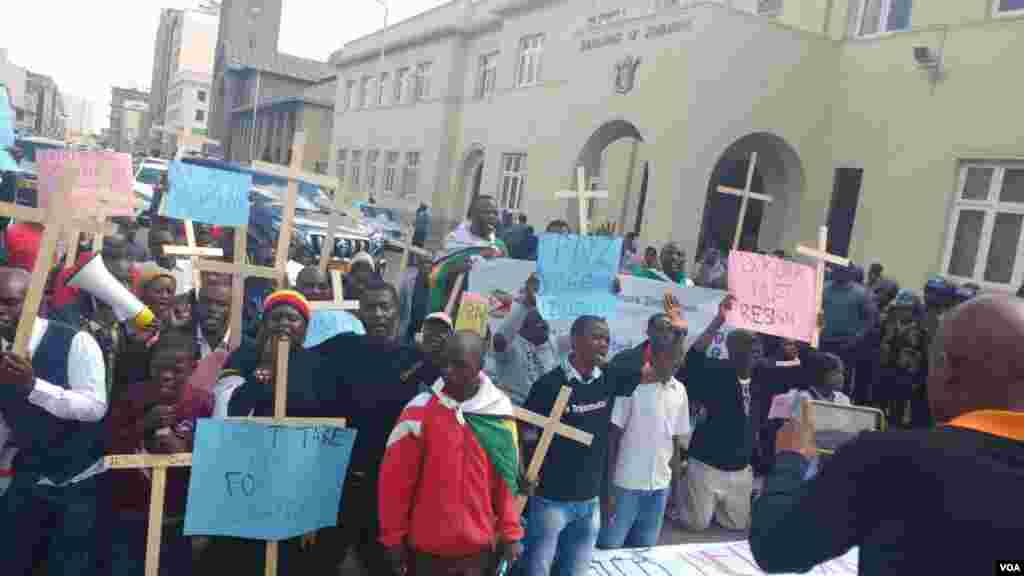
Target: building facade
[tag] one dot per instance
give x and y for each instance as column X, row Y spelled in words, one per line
column 856, row 110
column 80, row 116
column 43, row 96
column 16, row 78
column 247, row 33
column 128, row 112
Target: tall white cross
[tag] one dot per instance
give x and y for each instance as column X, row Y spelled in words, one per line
column 581, row 194
column 745, row 194
column 821, row 255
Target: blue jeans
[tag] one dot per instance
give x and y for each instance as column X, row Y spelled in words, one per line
column 569, row 529
column 637, row 520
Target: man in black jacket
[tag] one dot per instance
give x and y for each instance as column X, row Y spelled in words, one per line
column 941, row 501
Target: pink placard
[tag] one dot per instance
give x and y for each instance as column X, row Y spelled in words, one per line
column 773, row 296
column 118, row 202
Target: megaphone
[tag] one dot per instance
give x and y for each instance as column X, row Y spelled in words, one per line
column 94, row 278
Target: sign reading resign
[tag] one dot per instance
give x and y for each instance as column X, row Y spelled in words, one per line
column 265, row 481
column 208, row 195
column 117, row 200
column 773, row 296
column 577, row 274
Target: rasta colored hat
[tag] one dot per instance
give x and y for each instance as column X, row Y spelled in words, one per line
column 289, row 298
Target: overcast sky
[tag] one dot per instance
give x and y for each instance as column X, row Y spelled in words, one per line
column 87, row 46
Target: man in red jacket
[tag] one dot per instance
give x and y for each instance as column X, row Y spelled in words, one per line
column 449, row 477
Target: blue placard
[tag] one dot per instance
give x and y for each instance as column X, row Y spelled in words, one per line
column 207, row 195
column 326, row 324
column 265, row 482
column 577, row 274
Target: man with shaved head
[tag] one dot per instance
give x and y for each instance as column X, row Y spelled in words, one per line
column 940, row 501
column 673, row 267
column 453, row 456
column 51, row 404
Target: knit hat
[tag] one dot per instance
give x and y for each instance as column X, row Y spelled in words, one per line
column 289, row 298
column 150, row 271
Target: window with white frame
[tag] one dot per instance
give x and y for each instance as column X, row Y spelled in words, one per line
column 342, row 156
column 357, row 160
column 487, row 75
column 390, row 168
column 423, row 70
column 1009, row 7
column 531, row 49
column 984, row 240
column 411, row 173
column 401, row 79
column 371, row 170
column 878, row 16
column 364, row 92
column 382, row 88
column 513, row 180
column 201, row 95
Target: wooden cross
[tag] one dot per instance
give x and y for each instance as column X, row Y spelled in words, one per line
column 193, row 251
column 821, row 255
column 745, row 194
column 338, row 302
column 407, row 248
column 581, row 194
column 158, row 463
column 53, row 219
column 550, row 425
column 337, row 211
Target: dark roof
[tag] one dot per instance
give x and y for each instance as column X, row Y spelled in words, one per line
column 286, row 65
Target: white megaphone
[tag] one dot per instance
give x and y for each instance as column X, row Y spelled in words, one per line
column 94, row 278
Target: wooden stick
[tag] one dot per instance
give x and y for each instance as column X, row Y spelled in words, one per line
column 819, row 288
column 158, row 484
column 743, row 202
column 190, row 238
column 198, row 251
column 238, row 287
column 459, row 280
column 284, row 238
column 281, row 378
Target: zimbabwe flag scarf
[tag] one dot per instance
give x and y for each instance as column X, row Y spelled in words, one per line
column 489, row 414
column 460, row 247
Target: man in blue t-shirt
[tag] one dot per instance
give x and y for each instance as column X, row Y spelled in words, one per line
column 564, row 514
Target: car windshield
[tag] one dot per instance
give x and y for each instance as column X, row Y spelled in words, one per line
column 29, row 148
column 149, row 175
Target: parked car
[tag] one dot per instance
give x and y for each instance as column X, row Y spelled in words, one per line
column 385, row 220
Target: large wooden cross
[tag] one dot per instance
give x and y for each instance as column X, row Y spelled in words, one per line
column 549, row 425
column 582, row 193
column 334, row 219
column 408, row 249
column 821, row 256
column 158, row 463
column 745, row 194
column 53, row 219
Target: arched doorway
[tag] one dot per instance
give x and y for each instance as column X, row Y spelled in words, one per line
column 472, row 175
column 614, row 158
column 778, row 174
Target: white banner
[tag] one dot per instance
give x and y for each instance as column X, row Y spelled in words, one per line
column 722, row 559
column 503, row 278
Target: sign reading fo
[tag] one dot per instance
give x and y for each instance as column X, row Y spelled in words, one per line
column 773, row 296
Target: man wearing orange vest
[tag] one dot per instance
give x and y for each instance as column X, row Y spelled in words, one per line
column 940, row 501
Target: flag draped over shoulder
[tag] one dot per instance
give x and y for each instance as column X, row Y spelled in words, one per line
column 490, row 415
column 460, row 247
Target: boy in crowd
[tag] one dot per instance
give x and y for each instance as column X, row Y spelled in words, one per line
column 449, row 476
column 564, row 515
column 149, row 418
column 649, row 429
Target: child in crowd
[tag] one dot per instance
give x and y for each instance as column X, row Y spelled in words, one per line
column 149, row 418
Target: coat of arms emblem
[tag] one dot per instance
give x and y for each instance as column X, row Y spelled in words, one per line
column 625, row 74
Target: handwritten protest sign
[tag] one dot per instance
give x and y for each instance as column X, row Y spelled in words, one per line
column 576, row 275
column 773, row 296
column 208, row 195
column 722, row 559
column 638, row 300
column 326, row 324
column 265, row 481
column 472, row 314
column 118, row 199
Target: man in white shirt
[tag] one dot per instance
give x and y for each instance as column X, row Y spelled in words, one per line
column 50, row 410
column 650, row 427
